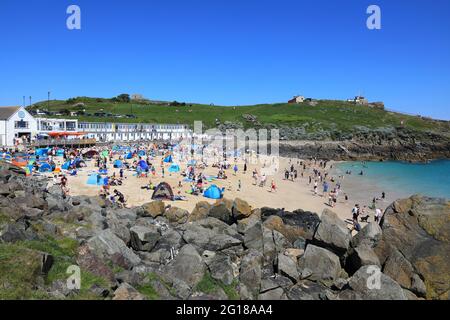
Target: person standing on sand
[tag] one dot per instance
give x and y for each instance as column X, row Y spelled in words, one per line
column 273, row 187
column 245, row 166
column 378, row 215
column 315, row 187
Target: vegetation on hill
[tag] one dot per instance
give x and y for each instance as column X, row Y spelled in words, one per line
column 324, row 115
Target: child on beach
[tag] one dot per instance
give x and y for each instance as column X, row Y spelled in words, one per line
column 273, row 187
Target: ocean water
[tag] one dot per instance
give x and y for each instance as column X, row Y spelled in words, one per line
column 402, row 178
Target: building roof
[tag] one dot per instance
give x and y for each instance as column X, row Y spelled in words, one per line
column 7, row 112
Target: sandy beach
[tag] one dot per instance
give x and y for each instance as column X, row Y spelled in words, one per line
column 290, row 195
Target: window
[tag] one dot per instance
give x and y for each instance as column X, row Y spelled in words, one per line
column 21, row 124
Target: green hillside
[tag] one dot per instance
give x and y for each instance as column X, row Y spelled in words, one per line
column 326, row 115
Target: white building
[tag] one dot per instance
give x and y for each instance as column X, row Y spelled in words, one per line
column 297, row 99
column 106, row 131
column 16, row 122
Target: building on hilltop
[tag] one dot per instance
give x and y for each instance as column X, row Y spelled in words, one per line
column 297, row 99
column 360, row 100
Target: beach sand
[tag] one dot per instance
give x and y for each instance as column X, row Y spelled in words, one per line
column 290, row 195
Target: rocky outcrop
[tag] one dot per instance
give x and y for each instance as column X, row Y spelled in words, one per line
column 219, row 251
column 415, row 242
column 365, row 144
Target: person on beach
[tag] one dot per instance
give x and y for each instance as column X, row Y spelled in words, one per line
column 378, row 215
column 273, row 187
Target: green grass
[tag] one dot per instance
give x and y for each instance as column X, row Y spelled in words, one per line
column 209, row 285
column 327, row 115
column 19, row 268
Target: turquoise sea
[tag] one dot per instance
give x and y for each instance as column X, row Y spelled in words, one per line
column 403, row 178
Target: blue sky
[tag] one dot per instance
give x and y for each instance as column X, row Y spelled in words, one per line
column 231, row 52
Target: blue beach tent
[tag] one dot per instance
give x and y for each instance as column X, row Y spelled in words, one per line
column 168, row 159
column 213, row 192
column 174, row 168
column 118, row 164
column 66, row 166
column 143, row 165
column 96, row 180
column 45, row 167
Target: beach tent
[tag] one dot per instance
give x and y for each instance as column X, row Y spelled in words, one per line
column 41, row 152
column 45, row 167
column 66, row 166
column 60, row 152
column 143, row 165
column 168, row 159
column 90, row 154
column 163, row 191
column 79, row 163
column 213, row 192
column 174, row 168
column 118, row 164
column 95, row 179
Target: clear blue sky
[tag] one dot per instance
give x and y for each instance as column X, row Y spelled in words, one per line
column 231, row 52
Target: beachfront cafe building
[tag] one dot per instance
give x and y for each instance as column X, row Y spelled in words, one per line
column 106, row 132
column 16, row 124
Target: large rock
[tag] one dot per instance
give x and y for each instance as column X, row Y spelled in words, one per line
column 244, row 224
column 332, row 233
column 209, row 239
column 371, row 284
column 363, row 255
column 221, row 210
column 188, row 266
column 153, row 209
column 127, row 292
column 88, row 261
column 419, row 228
column 176, row 215
column 323, row 263
column 220, row 267
column 370, row 235
column 292, row 225
column 144, row 238
column 400, row 270
column 287, row 266
column 200, row 211
column 240, row 209
column 253, row 237
column 108, row 246
column 250, row 272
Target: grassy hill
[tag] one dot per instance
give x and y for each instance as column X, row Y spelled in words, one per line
column 326, row 115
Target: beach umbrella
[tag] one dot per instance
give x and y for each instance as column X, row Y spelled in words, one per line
column 129, row 155
column 213, row 192
column 105, row 154
column 141, row 153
